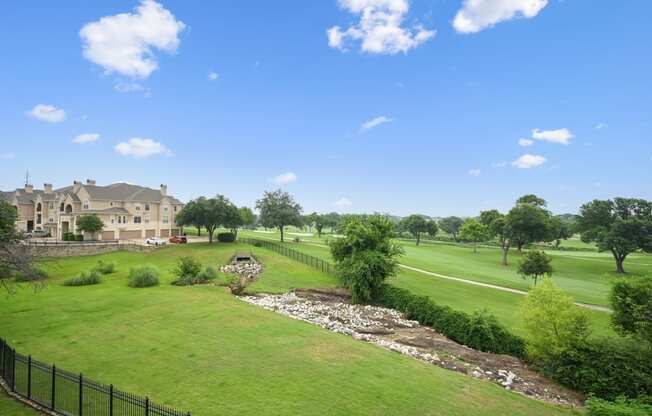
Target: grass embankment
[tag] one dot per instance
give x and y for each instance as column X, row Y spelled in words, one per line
column 200, row 349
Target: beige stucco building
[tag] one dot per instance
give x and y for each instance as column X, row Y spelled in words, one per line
column 128, row 211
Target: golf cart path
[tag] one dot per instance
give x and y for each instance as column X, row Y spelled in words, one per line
column 496, row 287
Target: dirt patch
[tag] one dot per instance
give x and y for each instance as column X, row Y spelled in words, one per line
column 389, row 329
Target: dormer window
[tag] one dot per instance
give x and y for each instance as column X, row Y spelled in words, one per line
column 137, row 207
column 86, row 204
column 146, row 207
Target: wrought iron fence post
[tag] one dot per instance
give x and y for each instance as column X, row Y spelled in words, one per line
column 13, row 370
column 54, row 383
column 81, row 394
column 29, row 377
column 111, row 400
column 2, row 359
column 146, row 406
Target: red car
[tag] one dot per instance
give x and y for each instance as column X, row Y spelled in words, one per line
column 179, row 239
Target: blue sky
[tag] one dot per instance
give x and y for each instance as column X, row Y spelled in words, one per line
column 445, row 88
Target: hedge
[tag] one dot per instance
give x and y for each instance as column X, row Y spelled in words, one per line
column 479, row 331
column 619, row 407
column 226, row 237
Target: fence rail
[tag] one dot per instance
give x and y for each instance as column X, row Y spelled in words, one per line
column 307, row 259
column 68, row 394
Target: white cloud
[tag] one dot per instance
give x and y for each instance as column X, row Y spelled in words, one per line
column 142, row 148
column 49, row 113
column 123, row 43
column 7, row 156
column 285, row 178
column 600, row 126
column 477, row 15
column 212, row 76
column 126, row 87
column 561, row 136
column 343, row 203
column 498, row 164
column 525, row 142
column 474, row 172
column 375, row 122
column 379, row 29
column 528, row 161
column 86, row 138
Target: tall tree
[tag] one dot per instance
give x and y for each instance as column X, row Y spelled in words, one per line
column 192, row 214
column 14, row 257
column 232, row 218
column 332, row 220
column 621, row 226
column 451, row 225
column 529, row 221
column 278, row 209
column 473, row 230
column 91, row 224
column 417, row 225
column 366, row 255
column 499, row 228
column 214, row 212
column 560, row 229
column 248, row 217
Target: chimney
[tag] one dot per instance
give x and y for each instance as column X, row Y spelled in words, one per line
column 76, row 185
column 164, row 190
column 47, row 188
column 90, row 182
column 29, row 188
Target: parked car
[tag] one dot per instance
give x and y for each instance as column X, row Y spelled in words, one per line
column 178, row 239
column 37, row 234
column 156, row 241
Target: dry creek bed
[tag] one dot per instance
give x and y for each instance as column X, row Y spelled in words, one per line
column 389, row 329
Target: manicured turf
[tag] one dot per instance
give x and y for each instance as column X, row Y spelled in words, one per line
column 11, row 407
column 200, row 349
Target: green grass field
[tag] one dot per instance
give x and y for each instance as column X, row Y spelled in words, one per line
column 201, row 350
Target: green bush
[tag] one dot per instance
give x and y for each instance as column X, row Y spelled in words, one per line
column 225, row 237
column 79, row 237
column 619, row 407
column 85, row 278
column 143, row 276
column 479, row 331
column 187, row 267
column 36, row 275
column 104, row 268
column 205, row 276
column 68, row 237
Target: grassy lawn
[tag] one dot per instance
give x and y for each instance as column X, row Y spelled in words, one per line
column 11, row 407
column 200, row 349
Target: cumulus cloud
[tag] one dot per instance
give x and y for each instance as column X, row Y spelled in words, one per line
column 380, row 29
column 142, row 148
column 285, row 178
column 7, row 156
column 124, row 43
column 126, row 87
column 343, row 203
column 474, row 172
column 86, row 138
column 525, row 142
column 48, row 113
column 528, row 161
column 498, row 164
column 477, row 15
column 562, row 136
column 212, row 76
column 375, row 122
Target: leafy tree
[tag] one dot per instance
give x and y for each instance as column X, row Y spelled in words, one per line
column 631, row 301
column 473, row 230
column 560, row 229
column 212, row 213
column 499, row 228
column 248, row 217
column 417, row 225
column 232, row 218
column 621, row 226
column 552, row 321
column 529, row 221
column 278, row 209
column 451, row 225
column 311, row 220
column 365, row 256
column 534, row 265
column 91, row 224
column 14, row 258
column 192, row 214
column 332, row 220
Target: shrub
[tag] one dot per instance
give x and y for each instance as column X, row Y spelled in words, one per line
column 79, row 237
column 297, row 240
column 631, row 300
column 479, row 331
column 143, row 276
column 35, row 275
column 85, row 278
column 207, row 275
column 619, row 407
column 68, row 236
column 225, row 237
column 104, row 268
column 187, row 267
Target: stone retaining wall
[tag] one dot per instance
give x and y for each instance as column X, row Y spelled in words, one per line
column 71, row 250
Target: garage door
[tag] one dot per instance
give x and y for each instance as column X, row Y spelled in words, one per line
column 150, row 233
column 130, row 235
column 108, row 235
column 165, row 233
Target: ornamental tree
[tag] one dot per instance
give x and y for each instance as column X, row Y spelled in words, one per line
column 534, row 265
column 417, row 225
column 474, row 231
column 278, row 210
column 91, row 224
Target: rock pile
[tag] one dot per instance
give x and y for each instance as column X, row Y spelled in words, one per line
column 249, row 269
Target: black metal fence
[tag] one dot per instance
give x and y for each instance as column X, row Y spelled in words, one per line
column 71, row 394
column 307, row 259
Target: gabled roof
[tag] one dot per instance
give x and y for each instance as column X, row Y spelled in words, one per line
column 126, row 192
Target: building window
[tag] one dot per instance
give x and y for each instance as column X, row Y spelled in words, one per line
column 86, row 204
column 124, row 219
column 68, row 209
column 175, row 208
column 136, row 220
column 39, row 207
column 146, row 220
column 51, row 220
column 38, row 219
column 165, row 209
column 51, row 205
column 112, row 220
column 61, row 207
column 165, row 219
column 119, row 219
column 111, row 203
column 137, row 207
column 146, row 207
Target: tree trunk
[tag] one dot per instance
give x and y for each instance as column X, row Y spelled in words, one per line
column 519, row 246
column 198, row 231
column 418, row 238
column 504, row 257
column 619, row 265
column 475, row 246
column 210, row 235
column 281, row 228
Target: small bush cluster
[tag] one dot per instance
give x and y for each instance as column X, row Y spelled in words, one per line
column 104, row 268
column 480, row 331
column 207, row 275
column 225, row 237
column 85, row 278
column 143, row 276
column 36, row 275
column 619, row 407
column 72, row 237
column 189, row 272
